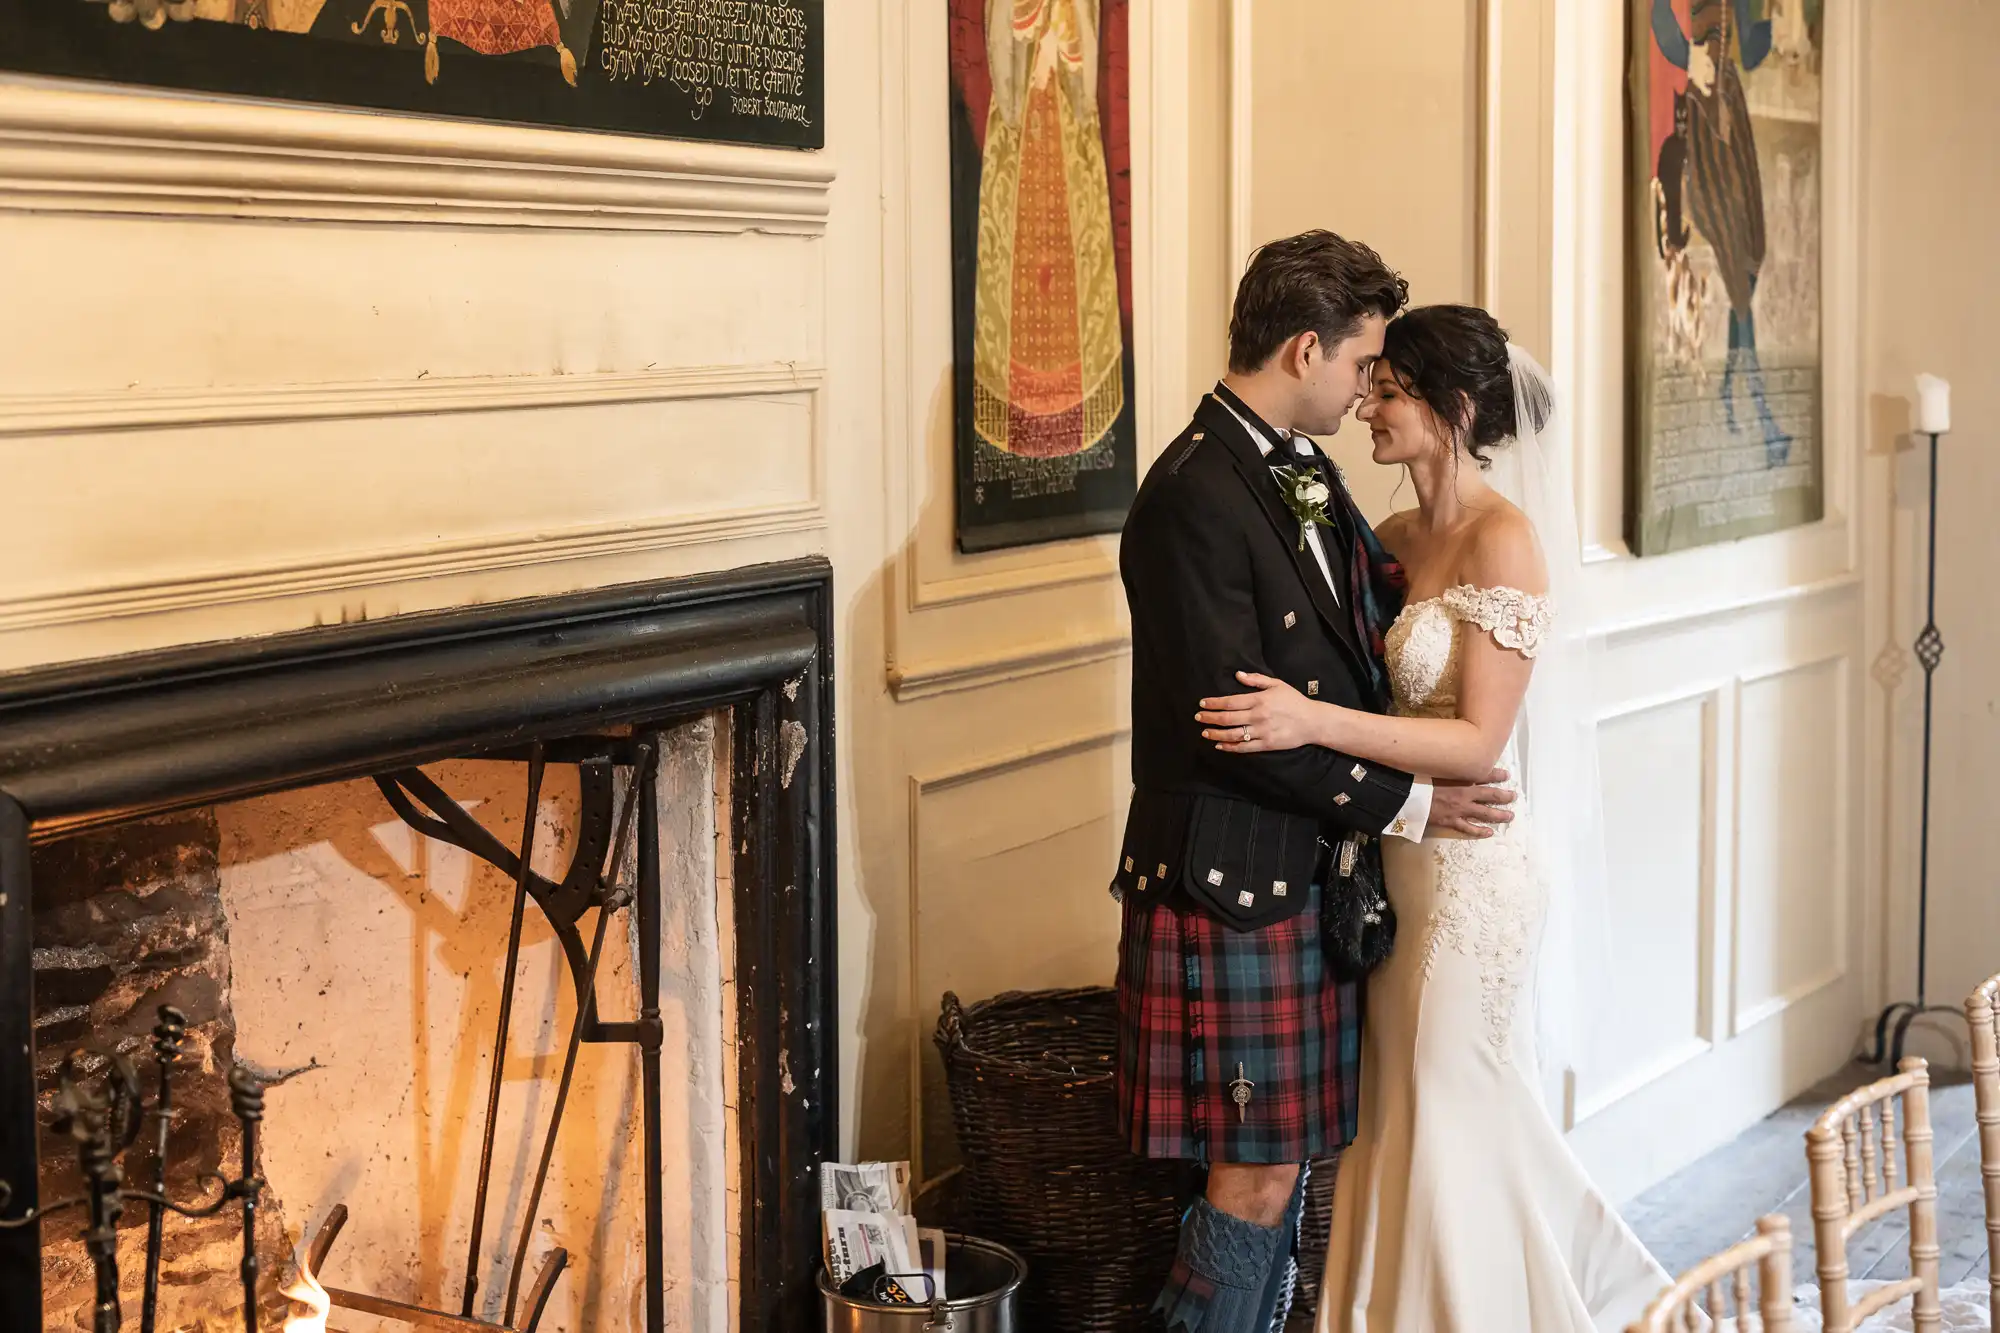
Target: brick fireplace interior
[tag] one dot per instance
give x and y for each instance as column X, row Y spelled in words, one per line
column 233, row 832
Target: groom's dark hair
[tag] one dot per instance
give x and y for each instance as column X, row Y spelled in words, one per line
column 1315, row 281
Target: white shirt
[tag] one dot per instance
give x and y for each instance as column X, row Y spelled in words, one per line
column 1416, row 812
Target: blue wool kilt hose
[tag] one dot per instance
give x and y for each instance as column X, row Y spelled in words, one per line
column 1208, row 1014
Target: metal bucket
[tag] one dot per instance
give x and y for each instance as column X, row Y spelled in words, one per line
column 983, row 1277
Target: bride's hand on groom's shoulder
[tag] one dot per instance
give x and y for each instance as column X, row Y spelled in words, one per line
column 1274, row 717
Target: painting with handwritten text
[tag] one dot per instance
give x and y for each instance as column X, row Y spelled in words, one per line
column 1041, row 210
column 1725, row 200
column 733, row 71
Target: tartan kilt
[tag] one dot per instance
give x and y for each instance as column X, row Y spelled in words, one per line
column 1197, row 1001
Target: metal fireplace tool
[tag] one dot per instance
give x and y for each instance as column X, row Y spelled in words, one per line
column 105, row 1122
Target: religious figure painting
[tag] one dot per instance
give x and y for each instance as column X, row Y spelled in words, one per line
column 1042, row 269
column 1726, row 248
column 747, row 71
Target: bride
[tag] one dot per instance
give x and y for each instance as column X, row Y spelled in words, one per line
column 1459, row 1206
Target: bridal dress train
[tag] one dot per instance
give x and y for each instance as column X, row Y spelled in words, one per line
column 1459, row 1208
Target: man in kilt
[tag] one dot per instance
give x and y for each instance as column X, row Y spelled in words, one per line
column 1239, row 1018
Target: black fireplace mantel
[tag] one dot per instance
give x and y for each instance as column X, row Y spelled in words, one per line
column 104, row 742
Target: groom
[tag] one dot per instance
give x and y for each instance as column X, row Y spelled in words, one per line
column 1238, row 1048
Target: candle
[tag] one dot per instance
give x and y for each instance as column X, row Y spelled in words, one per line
column 1933, row 405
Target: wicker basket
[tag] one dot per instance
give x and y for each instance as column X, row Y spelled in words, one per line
column 1047, row 1173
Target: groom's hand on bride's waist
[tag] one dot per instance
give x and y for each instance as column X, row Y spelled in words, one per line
column 1473, row 810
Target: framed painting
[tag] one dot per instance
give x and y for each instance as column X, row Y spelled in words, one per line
column 725, row 70
column 1041, row 217
column 1725, row 172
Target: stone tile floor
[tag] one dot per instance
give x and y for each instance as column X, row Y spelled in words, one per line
column 1715, row 1202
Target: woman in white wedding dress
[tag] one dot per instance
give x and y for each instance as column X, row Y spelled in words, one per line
column 1459, row 1207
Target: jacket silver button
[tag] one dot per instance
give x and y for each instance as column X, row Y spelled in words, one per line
column 1215, row 877
column 1245, row 898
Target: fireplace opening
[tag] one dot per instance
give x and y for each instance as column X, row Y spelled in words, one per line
column 485, row 960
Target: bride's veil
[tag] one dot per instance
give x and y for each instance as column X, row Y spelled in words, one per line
column 1556, row 738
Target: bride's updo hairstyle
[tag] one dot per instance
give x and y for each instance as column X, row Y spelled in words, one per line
column 1454, row 358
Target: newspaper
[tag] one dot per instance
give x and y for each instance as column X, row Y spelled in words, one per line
column 912, row 1257
column 857, row 1240
column 865, row 1187
column 931, row 1244
column 866, row 1206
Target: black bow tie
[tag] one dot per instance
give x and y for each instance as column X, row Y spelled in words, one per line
column 1311, row 457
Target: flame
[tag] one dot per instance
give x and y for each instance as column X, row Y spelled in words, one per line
column 307, row 1292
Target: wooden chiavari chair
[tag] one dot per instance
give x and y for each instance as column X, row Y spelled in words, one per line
column 1851, row 1151
column 1982, row 1014
column 1701, row 1289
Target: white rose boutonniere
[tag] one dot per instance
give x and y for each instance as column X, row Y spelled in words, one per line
column 1306, row 496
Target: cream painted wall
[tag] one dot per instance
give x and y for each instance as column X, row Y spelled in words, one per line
column 1009, row 774
column 1403, row 126
column 1732, row 972
column 1363, row 120
column 1933, row 284
column 1211, row 269
column 267, row 367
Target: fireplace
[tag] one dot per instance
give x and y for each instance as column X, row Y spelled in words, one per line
column 113, row 774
